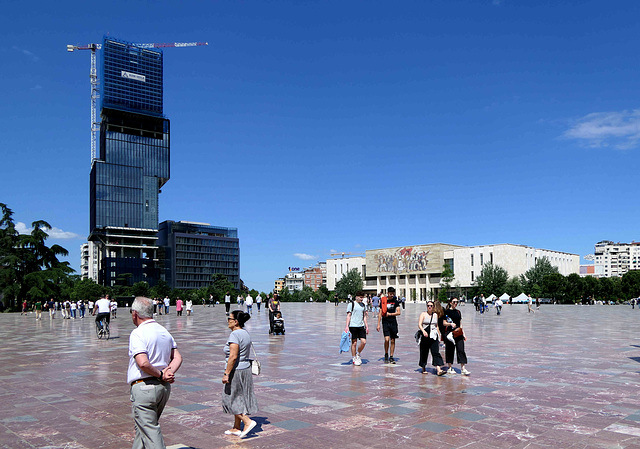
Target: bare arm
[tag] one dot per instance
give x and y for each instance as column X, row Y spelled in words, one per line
column 234, row 350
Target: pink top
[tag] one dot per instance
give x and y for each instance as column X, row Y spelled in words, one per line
column 178, row 305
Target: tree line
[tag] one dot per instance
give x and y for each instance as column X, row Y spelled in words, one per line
column 544, row 280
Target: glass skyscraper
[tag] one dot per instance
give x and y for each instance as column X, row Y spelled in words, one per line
column 193, row 252
column 132, row 164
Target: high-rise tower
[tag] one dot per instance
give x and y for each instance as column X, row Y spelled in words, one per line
column 132, row 164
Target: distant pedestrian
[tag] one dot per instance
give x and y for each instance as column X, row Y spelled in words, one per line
column 375, row 305
column 530, row 305
column 167, row 303
column 499, row 305
column 249, row 302
column 24, row 307
column 455, row 322
column 258, row 301
column 178, row 307
column 227, row 302
column 189, row 305
column 52, row 309
column 37, row 307
column 537, row 303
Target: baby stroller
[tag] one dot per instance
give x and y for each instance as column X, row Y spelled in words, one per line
column 277, row 326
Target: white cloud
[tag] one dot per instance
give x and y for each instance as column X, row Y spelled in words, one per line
column 304, row 256
column 497, row 2
column 27, row 53
column 36, row 87
column 619, row 130
column 54, row 233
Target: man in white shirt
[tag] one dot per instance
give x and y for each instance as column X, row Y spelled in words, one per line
column 103, row 309
column 167, row 302
column 249, row 303
column 258, row 301
column 153, row 361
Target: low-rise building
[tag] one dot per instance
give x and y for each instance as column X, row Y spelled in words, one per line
column 416, row 271
column 336, row 268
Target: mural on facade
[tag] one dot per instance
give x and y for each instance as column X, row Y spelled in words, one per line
column 407, row 259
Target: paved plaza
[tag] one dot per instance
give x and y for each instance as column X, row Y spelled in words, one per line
column 564, row 377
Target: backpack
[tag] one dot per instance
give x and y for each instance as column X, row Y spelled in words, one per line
column 383, row 305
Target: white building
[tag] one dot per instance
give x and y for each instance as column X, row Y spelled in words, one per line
column 615, row 259
column 89, row 261
column 417, row 270
column 336, row 268
column 294, row 280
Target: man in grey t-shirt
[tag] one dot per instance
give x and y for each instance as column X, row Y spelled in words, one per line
column 358, row 327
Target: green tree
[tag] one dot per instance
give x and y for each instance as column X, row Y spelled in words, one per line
column 492, row 280
column 140, row 289
column 513, row 287
column 574, row 288
column 553, row 286
column 29, row 269
column 87, row 290
column 350, row 284
column 322, row 294
column 631, row 284
column 535, row 275
column 160, row 290
column 219, row 286
column 447, row 277
column 591, row 287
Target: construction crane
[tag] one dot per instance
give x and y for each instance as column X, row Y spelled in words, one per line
column 345, row 254
column 93, row 77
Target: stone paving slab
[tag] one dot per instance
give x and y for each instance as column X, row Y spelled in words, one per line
column 564, row 377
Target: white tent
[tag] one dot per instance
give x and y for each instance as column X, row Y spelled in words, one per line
column 520, row 298
column 491, row 298
column 505, row 297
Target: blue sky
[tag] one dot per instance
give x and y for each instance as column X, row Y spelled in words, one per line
column 315, row 127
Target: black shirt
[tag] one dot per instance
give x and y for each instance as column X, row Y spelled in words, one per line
column 455, row 315
column 392, row 306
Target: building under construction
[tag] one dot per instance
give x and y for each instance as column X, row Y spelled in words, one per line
column 131, row 164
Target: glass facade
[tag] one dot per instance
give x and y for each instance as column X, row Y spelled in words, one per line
column 194, row 252
column 132, row 163
column 131, row 77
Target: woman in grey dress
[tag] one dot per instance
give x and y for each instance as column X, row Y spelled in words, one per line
column 237, row 396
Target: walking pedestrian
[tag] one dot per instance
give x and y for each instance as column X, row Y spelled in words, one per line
column 238, row 397
column 430, row 341
column 390, row 309
column 249, row 302
column 178, row 307
column 153, row 362
column 455, row 322
column 227, row 302
column 358, row 327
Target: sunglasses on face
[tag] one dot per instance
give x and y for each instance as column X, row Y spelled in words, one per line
column 429, row 305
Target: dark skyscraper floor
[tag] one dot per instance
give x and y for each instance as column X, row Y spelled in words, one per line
column 564, row 377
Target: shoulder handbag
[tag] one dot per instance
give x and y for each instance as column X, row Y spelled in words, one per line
column 457, row 332
column 255, row 363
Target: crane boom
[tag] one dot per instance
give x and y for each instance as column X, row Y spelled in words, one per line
column 93, row 77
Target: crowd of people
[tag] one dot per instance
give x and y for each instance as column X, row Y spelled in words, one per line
column 435, row 325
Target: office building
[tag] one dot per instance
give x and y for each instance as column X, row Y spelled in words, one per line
column 192, row 253
column 132, row 164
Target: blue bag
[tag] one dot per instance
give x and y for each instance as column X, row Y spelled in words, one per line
column 345, row 342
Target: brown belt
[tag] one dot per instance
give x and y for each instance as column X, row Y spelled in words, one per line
column 142, row 380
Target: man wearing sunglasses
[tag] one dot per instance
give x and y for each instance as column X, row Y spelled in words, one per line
column 390, row 310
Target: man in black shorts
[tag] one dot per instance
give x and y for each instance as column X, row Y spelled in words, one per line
column 389, row 310
column 357, row 326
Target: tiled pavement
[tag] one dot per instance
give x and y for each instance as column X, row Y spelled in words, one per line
column 564, row 377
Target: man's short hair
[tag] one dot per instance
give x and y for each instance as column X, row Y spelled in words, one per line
column 391, row 290
column 144, row 307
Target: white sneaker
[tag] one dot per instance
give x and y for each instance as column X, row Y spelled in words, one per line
column 357, row 361
column 451, row 371
column 464, row 371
